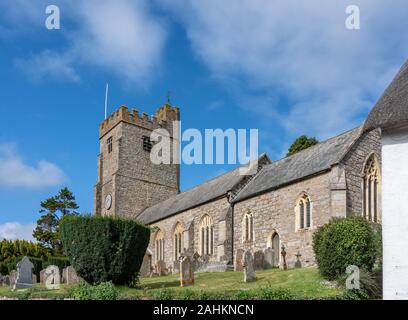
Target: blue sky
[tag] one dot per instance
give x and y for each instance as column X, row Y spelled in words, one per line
column 284, row 67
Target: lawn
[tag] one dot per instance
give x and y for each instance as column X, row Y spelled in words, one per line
column 304, row 283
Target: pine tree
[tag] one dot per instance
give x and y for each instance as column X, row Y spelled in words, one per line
column 52, row 210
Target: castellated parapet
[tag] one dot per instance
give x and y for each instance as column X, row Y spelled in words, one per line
column 164, row 117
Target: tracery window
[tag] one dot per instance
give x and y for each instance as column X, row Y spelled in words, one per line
column 248, row 227
column 304, row 212
column 206, row 235
column 370, row 194
column 159, row 245
column 177, row 240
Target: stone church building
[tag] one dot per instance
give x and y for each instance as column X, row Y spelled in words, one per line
column 281, row 205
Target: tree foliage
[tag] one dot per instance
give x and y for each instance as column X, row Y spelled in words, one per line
column 301, row 143
column 11, row 250
column 52, row 210
column 104, row 248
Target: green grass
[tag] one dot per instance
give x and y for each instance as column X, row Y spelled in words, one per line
column 301, row 283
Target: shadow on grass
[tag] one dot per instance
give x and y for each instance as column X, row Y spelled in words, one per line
column 164, row 284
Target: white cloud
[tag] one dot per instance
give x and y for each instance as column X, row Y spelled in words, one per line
column 299, row 51
column 16, row 230
column 15, row 173
column 120, row 36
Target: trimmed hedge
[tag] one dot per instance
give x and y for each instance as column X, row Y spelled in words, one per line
column 60, row 262
column 103, row 249
column 343, row 242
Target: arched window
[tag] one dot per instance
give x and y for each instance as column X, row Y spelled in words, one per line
column 247, row 227
column 159, row 245
column 303, row 212
column 370, row 182
column 206, row 235
column 177, row 240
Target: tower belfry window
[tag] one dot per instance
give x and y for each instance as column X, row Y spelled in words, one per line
column 109, row 143
column 147, row 144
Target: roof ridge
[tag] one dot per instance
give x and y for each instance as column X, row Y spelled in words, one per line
column 316, row 145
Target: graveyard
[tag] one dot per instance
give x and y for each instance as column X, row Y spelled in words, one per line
column 304, row 283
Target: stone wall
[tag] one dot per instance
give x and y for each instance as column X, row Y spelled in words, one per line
column 275, row 212
column 354, row 163
column 217, row 210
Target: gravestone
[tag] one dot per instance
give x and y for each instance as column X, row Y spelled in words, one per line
column 34, row 278
column 7, row 280
column 52, row 277
column 298, row 264
column 258, row 260
column 249, row 272
column 24, row 277
column 195, row 258
column 283, row 254
column 161, row 268
column 12, row 278
column 268, row 258
column 239, row 255
column 186, row 271
column 70, row 276
column 42, row 280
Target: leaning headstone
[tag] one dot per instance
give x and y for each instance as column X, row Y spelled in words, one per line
column 186, row 272
column 239, row 254
column 24, row 278
column 70, row 276
column 258, row 260
column 161, row 268
column 52, row 277
column 268, row 258
column 249, row 272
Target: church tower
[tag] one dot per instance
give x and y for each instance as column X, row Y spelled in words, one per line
column 128, row 182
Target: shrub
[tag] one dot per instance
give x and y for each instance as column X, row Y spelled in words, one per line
column 60, row 262
column 344, row 242
column 104, row 248
column 103, row 291
column 269, row 293
column 163, row 294
column 370, row 287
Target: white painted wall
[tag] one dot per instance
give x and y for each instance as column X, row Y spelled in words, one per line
column 395, row 213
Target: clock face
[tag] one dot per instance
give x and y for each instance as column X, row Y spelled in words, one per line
column 108, row 202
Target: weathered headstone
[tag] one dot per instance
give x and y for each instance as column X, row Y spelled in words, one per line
column 298, row 264
column 70, row 276
column 258, row 260
column 42, row 279
column 283, row 253
column 34, row 278
column 12, row 278
column 196, row 263
column 161, row 268
column 7, row 280
column 268, row 258
column 52, row 277
column 239, row 255
column 249, row 272
column 186, row 271
column 24, row 277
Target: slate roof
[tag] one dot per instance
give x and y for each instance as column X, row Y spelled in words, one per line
column 305, row 163
column 207, row 191
column 392, row 108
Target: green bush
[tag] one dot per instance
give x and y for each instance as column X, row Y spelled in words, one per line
column 60, row 262
column 370, row 286
column 104, row 248
column 269, row 293
column 103, row 291
column 344, row 242
column 163, row 294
